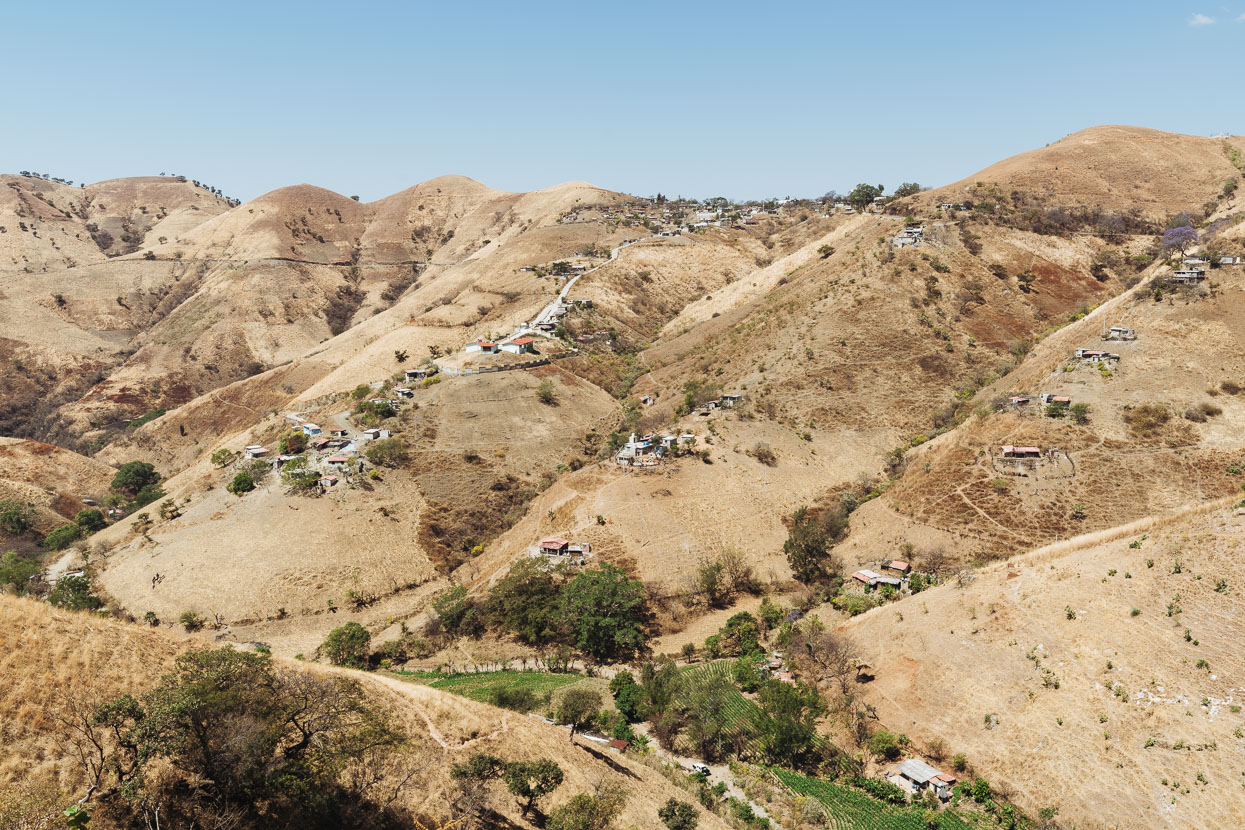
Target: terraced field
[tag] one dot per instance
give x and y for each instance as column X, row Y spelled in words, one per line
column 848, row 809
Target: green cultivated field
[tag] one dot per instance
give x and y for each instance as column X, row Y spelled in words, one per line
column 481, row 685
column 849, row 809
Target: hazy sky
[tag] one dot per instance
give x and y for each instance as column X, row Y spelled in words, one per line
column 745, row 100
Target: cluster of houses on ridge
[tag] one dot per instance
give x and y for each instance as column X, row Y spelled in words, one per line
column 1020, row 403
column 336, row 453
column 1192, row 269
column 647, row 450
column 519, row 345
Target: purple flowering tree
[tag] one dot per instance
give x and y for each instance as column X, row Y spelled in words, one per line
column 1179, row 238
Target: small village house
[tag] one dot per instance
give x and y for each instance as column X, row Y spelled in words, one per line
column 914, row 776
column 730, row 399
column 254, row 451
column 327, row 481
column 422, row 373
column 338, row 460
column 309, row 429
column 1186, row 276
column 897, row 566
column 1095, row 355
column 1121, row 333
column 1011, row 452
column 375, row 433
column 483, row 347
column 339, row 433
column 520, row 345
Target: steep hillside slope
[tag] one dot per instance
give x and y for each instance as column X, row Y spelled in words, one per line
column 59, row 661
column 1101, row 675
column 209, row 303
column 52, row 479
column 1162, row 431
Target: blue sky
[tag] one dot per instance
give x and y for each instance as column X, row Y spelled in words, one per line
column 745, row 100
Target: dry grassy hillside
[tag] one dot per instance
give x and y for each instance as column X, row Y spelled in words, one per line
column 481, row 449
column 1101, row 676
column 1162, row 432
column 54, row 480
column 49, row 226
column 208, row 303
column 1112, row 167
column 56, row 660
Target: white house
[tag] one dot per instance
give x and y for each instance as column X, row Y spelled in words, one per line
column 520, row 345
column 309, row 429
column 375, row 433
column 1121, row 333
column 915, row 776
column 482, row 346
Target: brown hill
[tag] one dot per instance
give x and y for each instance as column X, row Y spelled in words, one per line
column 1161, row 432
column 1113, row 167
column 1109, row 659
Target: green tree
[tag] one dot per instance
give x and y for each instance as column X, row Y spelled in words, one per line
column 16, row 517
column 579, row 706
column 90, row 520
column 133, row 476
column 786, row 721
column 387, row 452
column 525, row 602
column 545, row 393
column 710, row 581
column 223, row 457
column 596, row 811
column 16, row 572
column 478, row 769
column 456, row 612
column 1079, row 413
column 148, row 494
column 606, row 612
column 885, row 745
column 808, row 546
column 241, row 484
column 347, row 645
column 256, row 739
column 907, row 189
column 74, row 593
column 62, row 537
column 532, row 781
column 678, row 815
column 862, row 195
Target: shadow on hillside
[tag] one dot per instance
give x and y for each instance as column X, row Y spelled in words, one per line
column 609, row 762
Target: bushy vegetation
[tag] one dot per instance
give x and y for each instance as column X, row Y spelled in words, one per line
column 387, row 452
column 1146, row 420
column 599, row 613
column 347, row 645
column 257, row 741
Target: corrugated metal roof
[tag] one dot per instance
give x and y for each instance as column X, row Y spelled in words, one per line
column 918, row 770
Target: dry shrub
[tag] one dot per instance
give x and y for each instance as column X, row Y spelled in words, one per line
column 1147, row 420
column 762, row 452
